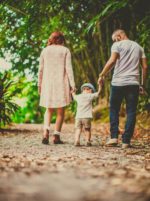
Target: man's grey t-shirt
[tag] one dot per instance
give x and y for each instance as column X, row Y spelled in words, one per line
column 126, row 71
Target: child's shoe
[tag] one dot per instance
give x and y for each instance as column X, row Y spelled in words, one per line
column 77, row 144
column 88, row 144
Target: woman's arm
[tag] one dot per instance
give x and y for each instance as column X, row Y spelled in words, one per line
column 40, row 72
column 69, row 70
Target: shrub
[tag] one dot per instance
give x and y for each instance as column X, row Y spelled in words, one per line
column 7, row 106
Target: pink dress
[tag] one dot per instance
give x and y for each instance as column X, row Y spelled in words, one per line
column 55, row 76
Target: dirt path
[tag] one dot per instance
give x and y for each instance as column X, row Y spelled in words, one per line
column 31, row 171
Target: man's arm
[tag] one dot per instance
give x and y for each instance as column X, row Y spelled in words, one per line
column 112, row 60
column 144, row 65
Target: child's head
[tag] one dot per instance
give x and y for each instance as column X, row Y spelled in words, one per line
column 87, row 88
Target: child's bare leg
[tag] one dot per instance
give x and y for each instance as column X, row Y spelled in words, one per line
column 77, row 136
column 88, row 136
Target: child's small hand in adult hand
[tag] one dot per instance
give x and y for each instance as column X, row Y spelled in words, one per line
column 101, row 81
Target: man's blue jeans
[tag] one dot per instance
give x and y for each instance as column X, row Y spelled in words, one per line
column 130, row 93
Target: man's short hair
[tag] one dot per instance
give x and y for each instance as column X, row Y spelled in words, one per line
column 119, row 31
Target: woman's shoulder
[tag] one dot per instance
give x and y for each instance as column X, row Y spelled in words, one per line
column 56, row 47
column 64, row 48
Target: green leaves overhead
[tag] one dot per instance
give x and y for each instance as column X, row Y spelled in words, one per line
column 87, row 25
column 107, row 11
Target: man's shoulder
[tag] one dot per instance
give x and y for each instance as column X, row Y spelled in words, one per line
column 129, row 42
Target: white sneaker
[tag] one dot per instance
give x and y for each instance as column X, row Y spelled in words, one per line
column 112, row 142
column 125, row 146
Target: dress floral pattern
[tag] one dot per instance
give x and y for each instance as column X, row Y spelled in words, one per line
column 55, row 76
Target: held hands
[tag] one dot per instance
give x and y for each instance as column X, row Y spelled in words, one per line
column 101, row 80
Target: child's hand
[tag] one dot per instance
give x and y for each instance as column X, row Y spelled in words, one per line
column 101, row 84
column 100, row 88
column 73, row 90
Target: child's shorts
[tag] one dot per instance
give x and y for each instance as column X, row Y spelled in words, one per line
column 83, row 122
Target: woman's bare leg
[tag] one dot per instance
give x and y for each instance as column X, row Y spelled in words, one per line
column 47, row 120
column 58, row 126
column 59, row 119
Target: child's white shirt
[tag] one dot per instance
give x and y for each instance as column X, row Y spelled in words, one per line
column 84, row 104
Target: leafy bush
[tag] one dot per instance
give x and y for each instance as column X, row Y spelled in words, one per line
column 7, row 106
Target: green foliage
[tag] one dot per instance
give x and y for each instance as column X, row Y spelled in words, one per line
column 108, row 9
column 143, row 28
column 29, row 111
column 7, row 105
column 26, row 25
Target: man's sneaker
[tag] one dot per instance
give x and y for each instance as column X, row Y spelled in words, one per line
column 125, row 146
column 112, row 142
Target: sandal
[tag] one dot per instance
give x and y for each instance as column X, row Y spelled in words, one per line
column 45, row 139
column 56, row 139
column 77, row 144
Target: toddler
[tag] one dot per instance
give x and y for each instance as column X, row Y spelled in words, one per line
column 84, row 111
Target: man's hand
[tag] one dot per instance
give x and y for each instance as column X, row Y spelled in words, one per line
column 142, row 91
column 110, row 63
column 101, row 81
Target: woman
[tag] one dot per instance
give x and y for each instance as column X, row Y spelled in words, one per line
column 55, row 83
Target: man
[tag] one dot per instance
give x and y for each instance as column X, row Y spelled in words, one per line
column 127, row 56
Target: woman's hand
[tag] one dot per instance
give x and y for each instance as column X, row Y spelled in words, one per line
column 39, row 89
column 73, row 90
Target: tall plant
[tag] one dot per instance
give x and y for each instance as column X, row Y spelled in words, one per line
column 7, row 106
